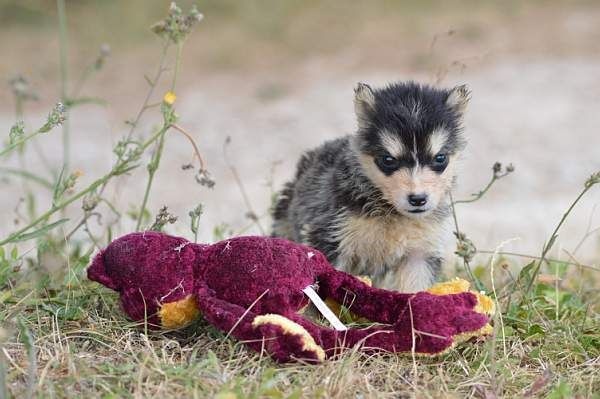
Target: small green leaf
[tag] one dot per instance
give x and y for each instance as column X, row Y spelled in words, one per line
column 272, row 393
column 525, row 273
column 297, row 394
column 226, row 394
column 39, row 232
column 56, row 191
column 591, row 344
column 535, row 330
column 535, row 353
column 72, row 102
column 558, row 269
column 550, row 243
column 509, row 331
column 29, row 343
column 17, row 132
column 561, row 391
column 479, row 271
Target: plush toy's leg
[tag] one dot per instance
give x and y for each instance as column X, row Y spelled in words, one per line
column 283, row 339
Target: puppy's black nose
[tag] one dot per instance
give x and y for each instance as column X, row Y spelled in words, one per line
column 417, row 199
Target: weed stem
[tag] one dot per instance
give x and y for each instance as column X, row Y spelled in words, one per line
column 548, row 246
column 93, row 186
column 18, row 143
column 152, row 83
column 64, row 75
column 152, row 168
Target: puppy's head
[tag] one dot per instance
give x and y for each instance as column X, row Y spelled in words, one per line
column 408, row 140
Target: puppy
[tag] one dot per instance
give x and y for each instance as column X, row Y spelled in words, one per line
column 376, row 203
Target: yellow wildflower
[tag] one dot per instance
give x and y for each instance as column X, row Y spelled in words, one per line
column 169, row 98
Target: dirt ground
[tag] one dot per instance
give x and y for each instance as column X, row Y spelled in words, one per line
column 539, row 111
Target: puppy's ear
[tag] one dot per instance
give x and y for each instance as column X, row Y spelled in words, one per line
column 458, row 98
column 364, row 104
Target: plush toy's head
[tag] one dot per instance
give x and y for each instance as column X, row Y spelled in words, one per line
column 155, row 285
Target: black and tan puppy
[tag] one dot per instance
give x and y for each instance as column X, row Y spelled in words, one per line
column 377, row 202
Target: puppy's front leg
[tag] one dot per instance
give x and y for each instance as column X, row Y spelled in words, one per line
column 416, row 271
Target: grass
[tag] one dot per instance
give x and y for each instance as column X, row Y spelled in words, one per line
column 63, row 336
column 83, row 346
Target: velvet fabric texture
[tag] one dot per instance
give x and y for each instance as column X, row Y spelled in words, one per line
column 238, row 279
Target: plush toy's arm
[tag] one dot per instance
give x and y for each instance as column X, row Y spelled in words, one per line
column 434, row 320
column 283, row 339
column 372, row 303
column 398, row 338
column 430, row 325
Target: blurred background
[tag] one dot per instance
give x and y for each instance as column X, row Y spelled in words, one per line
column 277, row 78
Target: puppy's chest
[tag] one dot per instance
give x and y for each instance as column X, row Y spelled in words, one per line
column 367, row 244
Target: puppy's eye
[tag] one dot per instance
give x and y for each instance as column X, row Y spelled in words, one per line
column 387, row 163
column 440, row 161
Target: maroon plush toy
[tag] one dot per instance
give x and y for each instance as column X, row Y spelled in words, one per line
column 253, row 287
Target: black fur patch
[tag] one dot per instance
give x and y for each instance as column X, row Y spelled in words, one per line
column 411, row 112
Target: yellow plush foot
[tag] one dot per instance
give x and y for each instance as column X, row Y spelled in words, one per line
column 455, row 286
column 178, row 314
column 290, row 327
column 484, row 305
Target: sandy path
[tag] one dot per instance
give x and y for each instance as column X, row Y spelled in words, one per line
column 544, row 116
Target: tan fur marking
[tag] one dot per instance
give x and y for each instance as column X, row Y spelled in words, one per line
column 437, row 139
column 392, row 144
